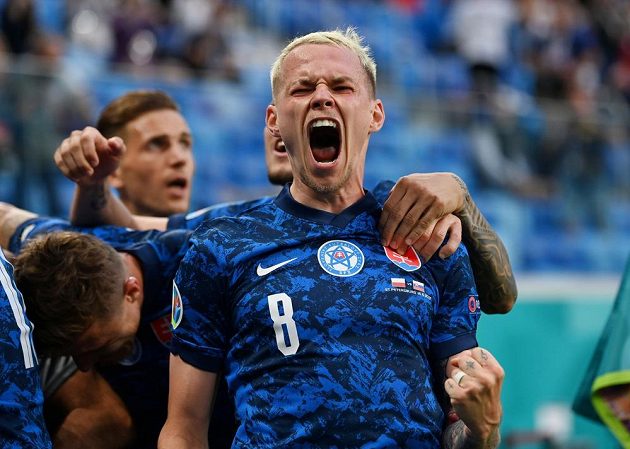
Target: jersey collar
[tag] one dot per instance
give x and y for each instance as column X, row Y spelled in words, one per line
column 368, row 204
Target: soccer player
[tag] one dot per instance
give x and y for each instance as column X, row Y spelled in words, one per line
column 326, row 338
column 98, row 302
column 21, row 415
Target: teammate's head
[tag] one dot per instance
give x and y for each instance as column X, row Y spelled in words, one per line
column 79, row 297
column 276, row 159
column 155, row 174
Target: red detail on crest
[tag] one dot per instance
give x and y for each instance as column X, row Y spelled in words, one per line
column 472, row 304
column 410, row 258
column 162, row 329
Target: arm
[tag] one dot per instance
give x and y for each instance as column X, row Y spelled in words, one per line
column 190, row 398
column 473, row 386
column 11, row 218
column 91, row 414
column 87, row 158
column 420, row 201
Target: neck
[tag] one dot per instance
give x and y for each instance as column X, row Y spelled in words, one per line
column 334, row 201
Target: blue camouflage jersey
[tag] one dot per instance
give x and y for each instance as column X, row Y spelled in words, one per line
column 141, row 379
column 193, row 219
column 21, row 416
column 326, row 338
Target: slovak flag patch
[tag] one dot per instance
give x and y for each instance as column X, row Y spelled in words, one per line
column 408, row 262
column 177, row 308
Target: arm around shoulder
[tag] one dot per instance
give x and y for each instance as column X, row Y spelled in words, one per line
column 489, row 259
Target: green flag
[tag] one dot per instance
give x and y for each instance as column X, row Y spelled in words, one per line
column 604, row 394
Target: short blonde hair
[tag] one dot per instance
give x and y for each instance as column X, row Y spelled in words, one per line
column 348, row 38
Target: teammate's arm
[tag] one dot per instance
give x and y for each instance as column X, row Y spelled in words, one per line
column 11, row 217
column 87, row 158
column 473, row 390
column 410, row 214
column 190, row 399
column 91, row 414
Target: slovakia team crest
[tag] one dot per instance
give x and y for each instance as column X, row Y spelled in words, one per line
column 177, row 308
column 408, row 262
column 340, row 258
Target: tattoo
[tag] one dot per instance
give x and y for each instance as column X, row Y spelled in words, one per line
column 489, row 260
column 483, row 354
column 99, row 196
column 470, row 364
column 456, row 437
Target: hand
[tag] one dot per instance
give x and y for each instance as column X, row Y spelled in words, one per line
column 86, row 157
column 476, row 394
column 415, row 204
column 434, row 236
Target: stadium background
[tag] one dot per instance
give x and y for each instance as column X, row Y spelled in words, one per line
column 544, row 146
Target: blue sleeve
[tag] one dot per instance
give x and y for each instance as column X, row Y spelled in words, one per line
column 199, row 316
column 34, row 227
column 193, row 219
column 458, row 312
column 22, row 422
column 382, row 190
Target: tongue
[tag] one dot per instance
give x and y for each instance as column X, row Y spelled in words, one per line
column 326, row 154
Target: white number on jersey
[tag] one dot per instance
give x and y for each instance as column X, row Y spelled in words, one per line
column 284, row 325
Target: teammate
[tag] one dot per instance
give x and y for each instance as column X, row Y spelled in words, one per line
column 89, row 300
column 21, row 415
column 326, row 338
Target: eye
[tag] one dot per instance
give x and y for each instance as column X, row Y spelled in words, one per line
column 300, row 91
column 344, row 88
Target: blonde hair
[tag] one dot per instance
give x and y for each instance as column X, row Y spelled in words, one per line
column 348, row 38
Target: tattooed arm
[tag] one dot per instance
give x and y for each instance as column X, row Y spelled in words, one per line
column 489, row 258
column 473, row 388
column 88, row 158
column 409, row 217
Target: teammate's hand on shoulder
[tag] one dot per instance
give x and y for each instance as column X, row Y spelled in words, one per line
column 415, row 205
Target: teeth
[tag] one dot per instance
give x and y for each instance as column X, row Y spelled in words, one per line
column 318, row 123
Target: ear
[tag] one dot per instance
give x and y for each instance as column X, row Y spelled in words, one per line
column 272, row 120
column 378, row 116
column 132, row 290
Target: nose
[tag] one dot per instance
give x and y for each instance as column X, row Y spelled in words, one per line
column 322, row 98
column 179, row 155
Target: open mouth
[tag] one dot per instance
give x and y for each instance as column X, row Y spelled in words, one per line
column 180, row 183
column 325, row 140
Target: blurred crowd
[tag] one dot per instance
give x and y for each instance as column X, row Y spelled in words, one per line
column 540, row 87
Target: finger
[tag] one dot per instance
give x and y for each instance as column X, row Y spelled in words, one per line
column 394, row 209
column 484, row 358
column 421, row 231
column 405, row 234
column 59, row 162
column 116, row 146
column 436, row 234
column 68, row 164
column 453, row 362
column 454, row 239
column 91, row 143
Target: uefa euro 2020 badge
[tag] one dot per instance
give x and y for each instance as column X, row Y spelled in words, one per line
column 340, row 258
column 177, row 307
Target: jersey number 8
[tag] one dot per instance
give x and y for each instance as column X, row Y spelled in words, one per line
column 283, row 324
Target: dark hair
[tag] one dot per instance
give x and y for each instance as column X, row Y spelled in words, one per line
column 68, row 280
column 129, row 107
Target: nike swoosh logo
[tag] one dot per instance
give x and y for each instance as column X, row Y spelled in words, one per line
column 260, row 271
